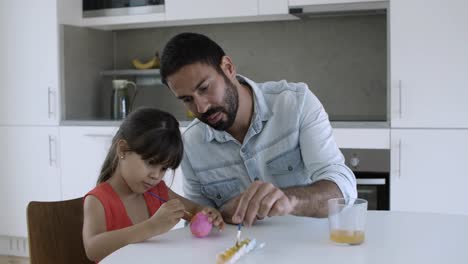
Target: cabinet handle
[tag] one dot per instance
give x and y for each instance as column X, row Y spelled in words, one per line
column 52, row 151
column 396, row 160
column 399, row 158
column 51, row 102
column 399, row 99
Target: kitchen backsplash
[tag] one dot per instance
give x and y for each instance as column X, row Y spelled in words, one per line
column 343, row 59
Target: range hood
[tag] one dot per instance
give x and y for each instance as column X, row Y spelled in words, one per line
column 362, row 8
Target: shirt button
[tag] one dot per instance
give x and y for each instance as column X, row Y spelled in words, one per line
column 290, row 168
column 218, row 196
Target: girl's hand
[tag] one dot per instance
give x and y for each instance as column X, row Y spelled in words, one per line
column 214, row 217
column 167, row 216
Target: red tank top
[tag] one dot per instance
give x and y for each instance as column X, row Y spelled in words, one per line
column 116, row 215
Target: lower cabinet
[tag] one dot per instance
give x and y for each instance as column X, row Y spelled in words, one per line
column 83, row 150
column 29, row 163
column 429, row 170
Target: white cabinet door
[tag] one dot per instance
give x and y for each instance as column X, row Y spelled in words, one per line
column 206, row 9
column 273, row 7
column 429, row 170
column 29, row 63
column 30, row 172
column 293, row 3
column 83, row 150
column 429, row 63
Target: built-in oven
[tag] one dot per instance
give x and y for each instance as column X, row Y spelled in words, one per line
column 102, row 8
column 372, row 170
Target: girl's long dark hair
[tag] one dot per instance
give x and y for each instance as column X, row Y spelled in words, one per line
column 151, row 133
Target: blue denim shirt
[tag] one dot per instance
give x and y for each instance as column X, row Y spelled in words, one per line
column 289, row 143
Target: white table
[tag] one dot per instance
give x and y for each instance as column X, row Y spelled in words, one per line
column 391, row 237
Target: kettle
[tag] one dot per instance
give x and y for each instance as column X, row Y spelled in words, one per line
column 120, row 102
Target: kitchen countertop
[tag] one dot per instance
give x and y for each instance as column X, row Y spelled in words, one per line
column 391, row 237
column 116, row 123
column 110, row 123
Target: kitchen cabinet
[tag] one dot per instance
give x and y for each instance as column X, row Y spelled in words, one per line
column 83, row 150
column 206, row 9
column 29, row 65
column 29, row 162
column 180, row 12
column 428, row 63
column 273, row 7
column 362, row 138
column 294, row 3
column 428, row 170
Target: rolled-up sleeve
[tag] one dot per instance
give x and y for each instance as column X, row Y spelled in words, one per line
column 322, row 157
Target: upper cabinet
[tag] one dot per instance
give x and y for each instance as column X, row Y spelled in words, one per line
column 178, row 12
column 429, row 63
column 272, row 7
column 206, row 9
column 317, row 6
column 29, row 64
column 327, row 2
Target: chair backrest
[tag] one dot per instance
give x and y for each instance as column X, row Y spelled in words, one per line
column 55, row 232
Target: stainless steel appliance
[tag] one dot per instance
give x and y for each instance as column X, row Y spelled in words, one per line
column 103, row 8
column 372, row 170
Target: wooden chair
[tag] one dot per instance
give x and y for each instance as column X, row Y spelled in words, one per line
column 55, row 232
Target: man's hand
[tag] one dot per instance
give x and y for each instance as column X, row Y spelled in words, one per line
column 260, row 200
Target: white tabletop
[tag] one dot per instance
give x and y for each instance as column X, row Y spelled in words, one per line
column 391, row 237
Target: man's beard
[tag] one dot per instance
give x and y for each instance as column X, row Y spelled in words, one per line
column 231, row 100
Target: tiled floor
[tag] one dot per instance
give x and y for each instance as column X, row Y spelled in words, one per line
column 13, row 260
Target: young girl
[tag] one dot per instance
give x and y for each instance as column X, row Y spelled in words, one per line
column 129, row 203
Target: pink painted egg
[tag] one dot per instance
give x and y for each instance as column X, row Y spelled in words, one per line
column 199, row 225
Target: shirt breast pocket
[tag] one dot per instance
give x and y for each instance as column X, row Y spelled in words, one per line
column 221, row 191
column 288, row 163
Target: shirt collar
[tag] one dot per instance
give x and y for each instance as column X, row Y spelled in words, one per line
column 261, row 113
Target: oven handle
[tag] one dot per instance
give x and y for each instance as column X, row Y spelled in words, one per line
column 378, row 181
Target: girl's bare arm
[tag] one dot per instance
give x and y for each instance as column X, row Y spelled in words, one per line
column 99, row 243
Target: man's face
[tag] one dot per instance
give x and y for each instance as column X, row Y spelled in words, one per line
column 208, row 94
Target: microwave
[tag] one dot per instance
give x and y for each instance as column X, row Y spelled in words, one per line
column 104, row 8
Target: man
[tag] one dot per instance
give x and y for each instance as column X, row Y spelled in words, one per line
column 255, row 150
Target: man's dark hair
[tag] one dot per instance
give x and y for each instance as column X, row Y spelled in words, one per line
column 188, row 48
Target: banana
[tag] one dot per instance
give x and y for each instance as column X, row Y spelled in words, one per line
column 152, row 63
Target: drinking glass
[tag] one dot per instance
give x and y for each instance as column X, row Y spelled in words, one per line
column 347, row 220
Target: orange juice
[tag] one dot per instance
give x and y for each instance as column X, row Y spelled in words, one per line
column 347, row 236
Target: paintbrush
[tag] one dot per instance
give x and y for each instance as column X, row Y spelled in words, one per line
column 238, row 238
column 189, row 214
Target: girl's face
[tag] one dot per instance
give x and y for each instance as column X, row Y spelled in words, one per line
column 140, row 175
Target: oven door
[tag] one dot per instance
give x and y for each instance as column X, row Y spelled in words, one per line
column 375, row 191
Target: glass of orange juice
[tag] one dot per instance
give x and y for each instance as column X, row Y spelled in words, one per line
column 347, row 220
